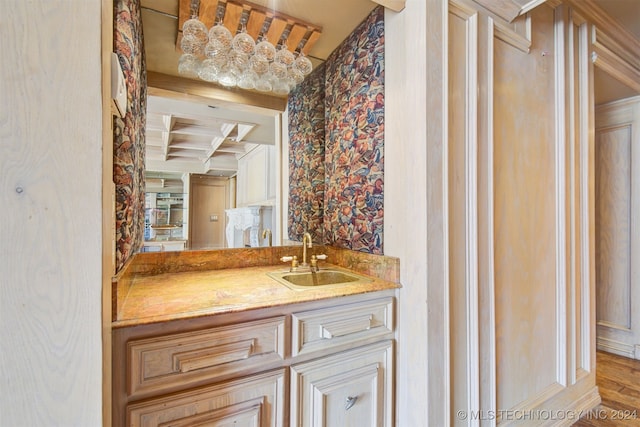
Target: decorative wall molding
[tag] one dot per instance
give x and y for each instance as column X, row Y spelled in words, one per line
column 490, row 345
column 623, row 328
column 614, row 65
column 563, row 137
column 461, row 9
column 508, row 35
column 585, row 301
column 612, row 34
column 621, row 111
column 574, row 244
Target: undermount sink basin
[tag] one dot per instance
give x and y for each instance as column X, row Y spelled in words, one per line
column 308, row 279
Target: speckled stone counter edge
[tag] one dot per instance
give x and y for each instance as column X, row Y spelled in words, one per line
column 153, row 263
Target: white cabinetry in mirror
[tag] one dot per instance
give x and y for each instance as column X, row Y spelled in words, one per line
column 257, row 177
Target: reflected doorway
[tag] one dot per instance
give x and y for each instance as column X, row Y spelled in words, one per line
column 209, row 199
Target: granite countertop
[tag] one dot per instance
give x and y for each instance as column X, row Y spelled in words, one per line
column 171, row 286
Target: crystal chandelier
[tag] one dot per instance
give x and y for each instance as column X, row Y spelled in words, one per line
column 216, row 55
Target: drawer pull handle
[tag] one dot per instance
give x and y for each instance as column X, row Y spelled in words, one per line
column 344, row 327
column 212, row 356
column 351, row 400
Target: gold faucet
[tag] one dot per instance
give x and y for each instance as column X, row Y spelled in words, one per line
column 266, row 232
column 306, row 243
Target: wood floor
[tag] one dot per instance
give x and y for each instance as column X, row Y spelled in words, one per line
column 618, row 380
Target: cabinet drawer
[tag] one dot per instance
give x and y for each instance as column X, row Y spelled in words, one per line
column 180, row 359
column 257, row 401
column 350, row 323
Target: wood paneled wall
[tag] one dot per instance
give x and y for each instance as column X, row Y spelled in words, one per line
column 51, row 122
column 518, row 181
column 490, row 125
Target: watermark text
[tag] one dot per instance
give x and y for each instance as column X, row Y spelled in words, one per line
column 546, row 415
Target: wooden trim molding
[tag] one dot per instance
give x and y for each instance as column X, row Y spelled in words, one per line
column 514, row 39
column 617, row 347
column 563, row 100
column 395, row 5
column 614, row 65
column 437, row 198
column 471, row 220
column 586, row 240
column 491, row 281
column 612, row 34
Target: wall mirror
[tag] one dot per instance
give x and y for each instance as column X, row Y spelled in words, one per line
column 200, row 142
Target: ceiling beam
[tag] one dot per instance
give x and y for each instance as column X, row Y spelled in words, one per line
column 215, row 143
column 184, row 89
column 168, row 121
column 197, row 130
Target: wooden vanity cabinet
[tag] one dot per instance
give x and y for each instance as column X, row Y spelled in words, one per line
column 323, row 363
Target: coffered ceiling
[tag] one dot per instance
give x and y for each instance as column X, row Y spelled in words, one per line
column 191, row 137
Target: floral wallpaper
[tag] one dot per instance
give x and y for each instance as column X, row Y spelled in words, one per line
column 336, row 174
column 354, row 147
column 306, row 158
column 129, row 131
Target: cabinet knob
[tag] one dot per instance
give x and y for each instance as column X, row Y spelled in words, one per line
column 350, row 402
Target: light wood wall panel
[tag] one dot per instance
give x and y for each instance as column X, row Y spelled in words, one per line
column 525, row 216
column 613, row 234
column 50, row 204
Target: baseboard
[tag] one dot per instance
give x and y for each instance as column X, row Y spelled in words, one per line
column 618, row 347
column 563, row 409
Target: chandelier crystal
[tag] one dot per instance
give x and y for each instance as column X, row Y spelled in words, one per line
column 216, row 55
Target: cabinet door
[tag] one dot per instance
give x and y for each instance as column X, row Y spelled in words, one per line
column 255, row 401
column 350, row 389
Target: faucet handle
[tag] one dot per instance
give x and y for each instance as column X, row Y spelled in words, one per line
column 314, row 261
column 293, row 260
